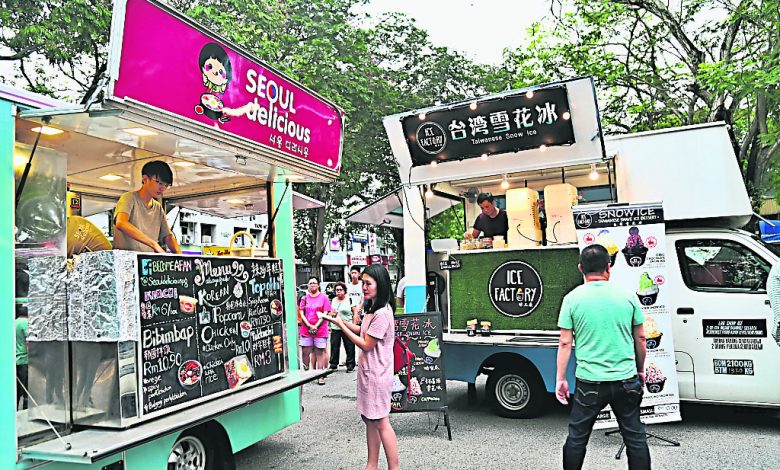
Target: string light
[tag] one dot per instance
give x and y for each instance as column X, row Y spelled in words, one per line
column 566, row 115
column 505, row 183
column 529, row 94
column 594, row 175
column 473, row 105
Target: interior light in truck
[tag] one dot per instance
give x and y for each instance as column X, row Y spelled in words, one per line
column 111, row 177
column 594, row 175
column 140, row 131
column 505, row 183
column 183, row 164
column 46, row 130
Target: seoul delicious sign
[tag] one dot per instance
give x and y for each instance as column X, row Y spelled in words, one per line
column 506, row 124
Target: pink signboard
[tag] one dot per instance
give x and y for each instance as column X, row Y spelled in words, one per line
column 169, row 64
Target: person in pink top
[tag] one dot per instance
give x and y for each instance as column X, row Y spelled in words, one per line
column 314, row 329
column 375, row 336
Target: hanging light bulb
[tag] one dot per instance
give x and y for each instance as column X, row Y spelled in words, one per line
column 484, row 157
column 594, row 175
column 529, row 94
column 434, row 163
column 542, row 148
column 566, row 115
column 428, row 192
column 505, row 183
column 421, row 116
column 473, row 105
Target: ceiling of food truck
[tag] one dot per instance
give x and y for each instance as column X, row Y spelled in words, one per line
column 206, row 179
column 105, row 155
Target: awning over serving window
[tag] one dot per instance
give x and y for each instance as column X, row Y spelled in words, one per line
column 387, row 211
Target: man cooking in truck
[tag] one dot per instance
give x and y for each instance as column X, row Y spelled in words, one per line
column 491, row 222
column 139, row 218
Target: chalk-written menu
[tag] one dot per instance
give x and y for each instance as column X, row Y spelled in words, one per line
column 208, row 325
column 423, row 388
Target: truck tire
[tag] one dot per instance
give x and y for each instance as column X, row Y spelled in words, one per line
column 515, row 392
column 200, row 449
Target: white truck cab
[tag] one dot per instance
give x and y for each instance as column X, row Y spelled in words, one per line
column 720, row 310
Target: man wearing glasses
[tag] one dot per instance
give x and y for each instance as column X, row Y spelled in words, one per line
column 139, row 218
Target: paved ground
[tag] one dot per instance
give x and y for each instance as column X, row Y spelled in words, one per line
column 331, row 436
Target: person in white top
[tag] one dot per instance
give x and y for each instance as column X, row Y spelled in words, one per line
column 400, row 292
column 355, row 293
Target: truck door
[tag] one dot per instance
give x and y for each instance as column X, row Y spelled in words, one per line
column 722, row 317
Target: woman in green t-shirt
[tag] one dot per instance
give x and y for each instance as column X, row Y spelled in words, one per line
column 342, row 307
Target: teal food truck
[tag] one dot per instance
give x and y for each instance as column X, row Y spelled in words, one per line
column 145, row 360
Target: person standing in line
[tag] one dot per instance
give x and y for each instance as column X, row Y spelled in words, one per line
column 400, row 293
column 314, row 330
column 342, row 307
column 139, row 219
column 611, row 350
column 355, row 294
column 375, row 338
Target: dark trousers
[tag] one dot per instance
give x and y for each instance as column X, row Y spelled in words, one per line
column 590, row 398
column 21, row 373
column 336, row 336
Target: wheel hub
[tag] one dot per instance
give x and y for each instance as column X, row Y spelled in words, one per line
column 188, row 453
column 512, row 392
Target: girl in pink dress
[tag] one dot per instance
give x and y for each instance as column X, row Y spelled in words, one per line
column 375, row 364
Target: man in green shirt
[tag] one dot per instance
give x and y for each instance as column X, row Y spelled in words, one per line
column 21, row 352
column 608, row 325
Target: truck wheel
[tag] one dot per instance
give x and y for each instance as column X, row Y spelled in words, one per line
column 198, row 449
column 515, row 393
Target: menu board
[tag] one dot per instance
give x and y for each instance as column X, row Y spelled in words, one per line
column 208, row 325
column 424, row 387
column 635, row 237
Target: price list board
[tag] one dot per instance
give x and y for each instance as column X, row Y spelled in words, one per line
column 209, row 325
column 424, row 387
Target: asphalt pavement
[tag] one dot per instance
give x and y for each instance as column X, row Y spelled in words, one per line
column 332, row 436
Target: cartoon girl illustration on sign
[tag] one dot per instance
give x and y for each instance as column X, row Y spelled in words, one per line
column 216, row 73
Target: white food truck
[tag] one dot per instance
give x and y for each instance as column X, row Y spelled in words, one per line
column 725, row 335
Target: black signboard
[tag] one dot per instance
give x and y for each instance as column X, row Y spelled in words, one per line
column 208, row 325
column 424, row 387
column 515, row 289
column 449, row 264
column 733, row 366
column 734, row 328
column 506, row 124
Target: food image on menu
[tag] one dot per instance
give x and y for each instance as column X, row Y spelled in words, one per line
column 635, row 250
column 246, row 328
column 187, row 304
column 648, row 290
column 652, row 335
column 398, row 386
column 605, row 240
column 414, row 387
column 432, row 351
column 238, row 371
column 276, row 309
column 278, row 347
column 190, row 373
column 654, row 378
